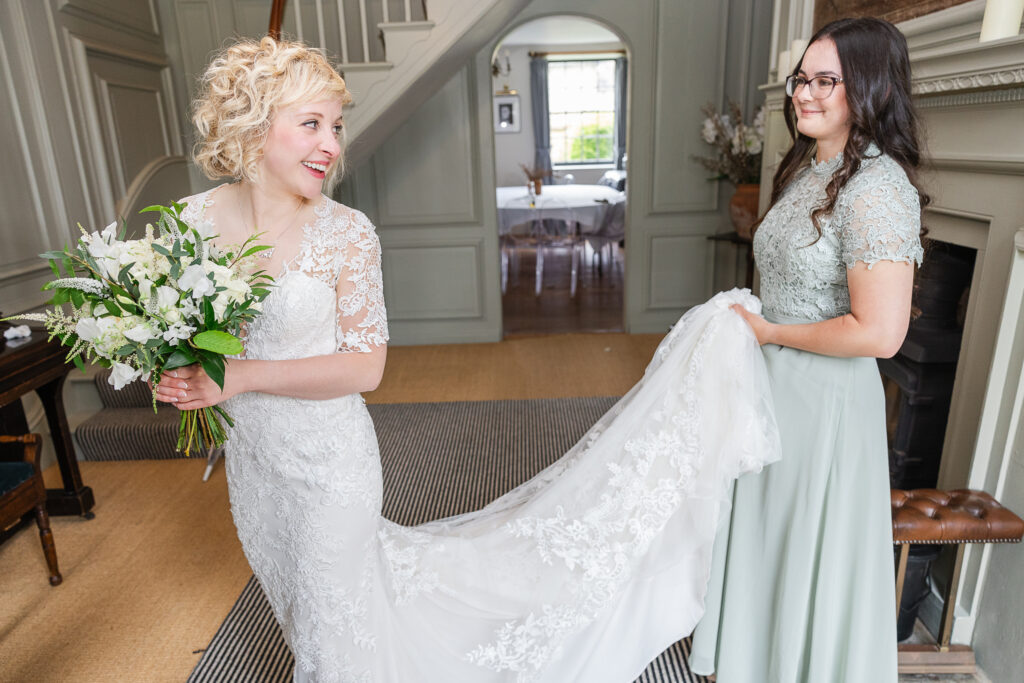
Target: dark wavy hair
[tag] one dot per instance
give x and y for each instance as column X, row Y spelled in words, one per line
column 876, row 75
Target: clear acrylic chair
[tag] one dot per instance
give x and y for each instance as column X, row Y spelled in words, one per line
column 610, row 231
column 559, row 230
column 515, row 237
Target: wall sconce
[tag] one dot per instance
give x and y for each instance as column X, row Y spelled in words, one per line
column 501, row 67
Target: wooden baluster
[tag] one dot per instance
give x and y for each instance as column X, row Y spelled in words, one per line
column 276, row 17
column 366, row 38
column 320, row 24
column 341, row 27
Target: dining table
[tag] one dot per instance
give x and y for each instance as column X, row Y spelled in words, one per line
column 584, row 205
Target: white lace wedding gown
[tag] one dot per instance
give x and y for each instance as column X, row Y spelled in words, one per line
column 584, row 573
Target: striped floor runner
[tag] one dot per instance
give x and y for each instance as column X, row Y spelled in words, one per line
column 439, row 459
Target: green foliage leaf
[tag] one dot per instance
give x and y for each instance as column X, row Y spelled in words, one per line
column 213, row 365
column 112, row 308
column 181, row 357
column 254, row 250
column 122, row 275
column 209, row 319
column 218, row 342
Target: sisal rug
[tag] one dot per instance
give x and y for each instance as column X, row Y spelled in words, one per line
column 439, row 459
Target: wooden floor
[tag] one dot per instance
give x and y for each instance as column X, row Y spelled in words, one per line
column 597, row 306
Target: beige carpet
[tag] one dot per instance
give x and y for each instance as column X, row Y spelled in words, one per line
column 149, row 580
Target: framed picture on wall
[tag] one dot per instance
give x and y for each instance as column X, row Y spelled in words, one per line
column 506, row 113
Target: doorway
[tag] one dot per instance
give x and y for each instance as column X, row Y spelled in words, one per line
column 560, row 105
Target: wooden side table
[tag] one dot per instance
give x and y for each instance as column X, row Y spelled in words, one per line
column 35, row 364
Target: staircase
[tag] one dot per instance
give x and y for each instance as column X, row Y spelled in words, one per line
column 417, row 58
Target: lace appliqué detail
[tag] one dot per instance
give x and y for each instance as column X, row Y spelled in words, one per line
column 600, row 545
column 877, row 218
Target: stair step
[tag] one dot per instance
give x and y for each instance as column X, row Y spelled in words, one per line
column 129, row 434
column 360, row 77
column 400, row 37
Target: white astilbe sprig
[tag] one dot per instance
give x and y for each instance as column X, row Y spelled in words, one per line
column 82, row 284
column 62, row 326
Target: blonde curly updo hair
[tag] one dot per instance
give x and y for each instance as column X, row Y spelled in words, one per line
column 244, row 86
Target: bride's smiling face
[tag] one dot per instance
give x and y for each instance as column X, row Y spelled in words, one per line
column 301, row 147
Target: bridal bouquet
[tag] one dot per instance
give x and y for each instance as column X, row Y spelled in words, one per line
column 145, row 306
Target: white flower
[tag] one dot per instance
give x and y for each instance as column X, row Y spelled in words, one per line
column 737, row 139
column 194, row 279
column 178, row 331
column 237, row 290
column 709, row 132
column 87, row 329
column 166, row 297
column 140, row 333
column 121, row 374
column 752, row 141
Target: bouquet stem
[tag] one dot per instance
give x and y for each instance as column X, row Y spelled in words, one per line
column 202, row 429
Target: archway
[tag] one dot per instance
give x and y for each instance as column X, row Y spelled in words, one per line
column 560, row 109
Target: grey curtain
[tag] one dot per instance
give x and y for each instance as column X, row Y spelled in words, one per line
column 621, row 98
column 541, row 123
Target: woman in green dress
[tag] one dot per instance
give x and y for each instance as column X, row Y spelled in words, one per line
column 802, row 581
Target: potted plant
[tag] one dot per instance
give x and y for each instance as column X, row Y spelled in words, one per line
column 737, row 157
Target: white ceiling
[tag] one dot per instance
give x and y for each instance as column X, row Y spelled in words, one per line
column 560, row 31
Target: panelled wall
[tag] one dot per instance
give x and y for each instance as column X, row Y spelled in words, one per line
column 88, row 127
column 430, row 189
column 426, row 189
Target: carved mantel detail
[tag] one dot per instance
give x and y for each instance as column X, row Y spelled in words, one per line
column 999, row 78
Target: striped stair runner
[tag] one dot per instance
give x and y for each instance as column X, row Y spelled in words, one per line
column 127, row 428
column 439, row 459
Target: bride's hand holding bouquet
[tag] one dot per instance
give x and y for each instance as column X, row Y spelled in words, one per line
column 157, row 305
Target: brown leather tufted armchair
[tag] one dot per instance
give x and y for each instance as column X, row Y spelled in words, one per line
column 946, row 517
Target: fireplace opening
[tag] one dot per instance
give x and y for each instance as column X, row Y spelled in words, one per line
column 918, row 380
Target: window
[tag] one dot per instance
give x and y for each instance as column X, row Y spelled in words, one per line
column 581, row 111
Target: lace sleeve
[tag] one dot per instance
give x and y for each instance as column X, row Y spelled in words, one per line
column 881, row 219
column 362, row 319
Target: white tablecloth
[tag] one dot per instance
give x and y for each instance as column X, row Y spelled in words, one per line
column 584, row 204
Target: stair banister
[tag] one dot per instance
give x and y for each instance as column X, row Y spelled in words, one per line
column 276, row 16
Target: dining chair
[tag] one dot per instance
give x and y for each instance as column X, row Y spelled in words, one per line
column 559, row 230
column 515, row 237
column 610, row 231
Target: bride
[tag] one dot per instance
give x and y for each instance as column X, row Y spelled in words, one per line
column 584, row 573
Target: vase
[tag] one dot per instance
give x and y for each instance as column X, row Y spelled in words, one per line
column 743, row 208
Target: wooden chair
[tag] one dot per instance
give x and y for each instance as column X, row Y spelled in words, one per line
column 22, row 492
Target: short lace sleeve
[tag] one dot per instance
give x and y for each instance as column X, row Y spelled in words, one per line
column 362, row 318
column 196, row 206
column 880, row 217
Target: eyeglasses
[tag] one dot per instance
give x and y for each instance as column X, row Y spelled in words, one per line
column 821, row 86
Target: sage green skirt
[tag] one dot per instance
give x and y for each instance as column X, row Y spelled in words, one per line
column 802, row 587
